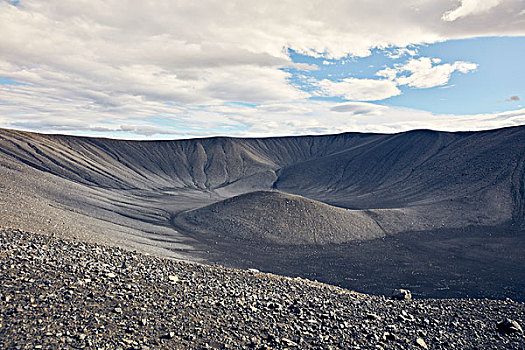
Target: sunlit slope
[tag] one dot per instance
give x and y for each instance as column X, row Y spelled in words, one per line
column 280, row 218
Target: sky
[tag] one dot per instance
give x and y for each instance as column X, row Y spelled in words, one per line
column 168, row 69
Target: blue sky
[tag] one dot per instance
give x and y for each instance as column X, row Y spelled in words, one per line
column 7, row 81
column 248, row 68
column 499, row 75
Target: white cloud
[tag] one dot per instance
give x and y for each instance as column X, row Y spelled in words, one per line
column 422, row 73
column 359, row 89
column 470, row 7
column 389, row 73
column 90, row 65
column 132, row 118
column 356, row 108
column 304, row 66
column 403, row 51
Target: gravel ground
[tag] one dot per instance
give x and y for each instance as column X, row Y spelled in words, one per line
column 67, row 294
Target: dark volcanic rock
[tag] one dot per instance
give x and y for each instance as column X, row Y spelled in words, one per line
column 401, row 294
column 509, row 326
column 57, row 294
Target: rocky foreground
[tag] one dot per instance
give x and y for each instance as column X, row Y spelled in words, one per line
column 66, row 294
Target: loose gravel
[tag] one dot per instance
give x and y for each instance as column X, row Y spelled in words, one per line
column 59, row 294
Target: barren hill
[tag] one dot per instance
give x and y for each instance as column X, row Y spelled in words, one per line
column 281, row 218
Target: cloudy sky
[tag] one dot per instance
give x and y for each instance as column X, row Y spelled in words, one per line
column 177, row 69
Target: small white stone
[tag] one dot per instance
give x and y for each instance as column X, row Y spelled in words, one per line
column 421, row 343
column 173, row 278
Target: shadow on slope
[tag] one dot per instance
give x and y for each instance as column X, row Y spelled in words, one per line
column 476, row 262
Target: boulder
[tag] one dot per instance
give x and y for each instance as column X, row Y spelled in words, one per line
column 401, row 294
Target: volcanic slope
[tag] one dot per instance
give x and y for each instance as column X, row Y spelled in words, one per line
column 280, row 218
column 418, row 180
column 125, row 192
column 435, row 179
column 130, row 193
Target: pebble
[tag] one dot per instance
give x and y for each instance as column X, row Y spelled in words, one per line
column 173, row 278
column 421, row 343
column 389, row 336
column 169, row 335
column 289, row 342
column 372, row 316
column 509, row 326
